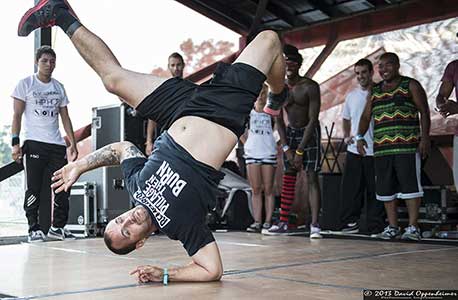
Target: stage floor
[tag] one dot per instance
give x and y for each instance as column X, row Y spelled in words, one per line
column 256, row 267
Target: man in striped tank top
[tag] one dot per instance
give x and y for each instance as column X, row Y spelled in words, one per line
column 401, row 138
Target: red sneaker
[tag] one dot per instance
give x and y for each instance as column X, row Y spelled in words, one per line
column 43, row 15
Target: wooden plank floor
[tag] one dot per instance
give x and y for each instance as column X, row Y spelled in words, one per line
column 256, row 267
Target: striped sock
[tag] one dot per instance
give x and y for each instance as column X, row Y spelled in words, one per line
column 287, row 196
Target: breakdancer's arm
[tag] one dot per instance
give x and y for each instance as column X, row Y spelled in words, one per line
column 206, row 265
column 109, row 155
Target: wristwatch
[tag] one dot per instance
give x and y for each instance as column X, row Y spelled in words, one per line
column 285, row 148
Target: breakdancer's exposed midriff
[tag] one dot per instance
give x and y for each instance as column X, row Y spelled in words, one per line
column 206, row 141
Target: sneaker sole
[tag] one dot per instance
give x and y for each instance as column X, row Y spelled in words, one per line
column 408, row 238
column 275, row 233
column 316, row 236
column 386, row 238
column 55, row 237
column 37, row 241
column 28, row 14
column 284, row 233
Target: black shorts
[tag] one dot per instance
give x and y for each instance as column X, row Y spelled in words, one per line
column 227, row 100
column 312, row 151
column 398, row 176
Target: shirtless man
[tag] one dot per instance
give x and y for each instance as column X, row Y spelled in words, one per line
column 174, row 187
column 301, row 142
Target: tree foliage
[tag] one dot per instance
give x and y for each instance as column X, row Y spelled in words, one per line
column 198, row 56
column 5, row 148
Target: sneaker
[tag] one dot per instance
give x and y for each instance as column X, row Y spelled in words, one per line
column 411, row 233
column 42, row 15
column 279, row 229
column 266, row 226
column 315, row 231
column 275, row 102
column 62, row 234
column 388, row 233
column 350, row 228
column 255, row 227
column 36, row 236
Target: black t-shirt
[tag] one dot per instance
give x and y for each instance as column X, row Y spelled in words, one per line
column 177, row 191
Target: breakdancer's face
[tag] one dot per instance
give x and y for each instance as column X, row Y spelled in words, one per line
column 132, row 227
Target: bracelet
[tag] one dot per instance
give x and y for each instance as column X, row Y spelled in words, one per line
column 15, row 140
column 165, row 278
column 285, row 148
column 299, row 152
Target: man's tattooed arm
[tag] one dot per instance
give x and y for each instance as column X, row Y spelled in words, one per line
column 110, row 155
column 105, row 156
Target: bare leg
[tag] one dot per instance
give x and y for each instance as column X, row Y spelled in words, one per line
column 413, row 206
column 314, row 195
column 391, row 212
column 254, row 176
column 268, row 172
column 132, row 87
column 265, row 54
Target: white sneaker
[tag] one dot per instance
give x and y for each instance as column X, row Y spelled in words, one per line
column 315, row 231
column 389, row 233
column 411, row 233
column 255, row 227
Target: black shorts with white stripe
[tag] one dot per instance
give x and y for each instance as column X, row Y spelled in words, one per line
column 398, row 176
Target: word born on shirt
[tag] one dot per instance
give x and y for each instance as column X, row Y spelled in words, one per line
column 153, row 194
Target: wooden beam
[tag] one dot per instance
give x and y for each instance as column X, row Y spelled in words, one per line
column 327, row 50
column 391, row 18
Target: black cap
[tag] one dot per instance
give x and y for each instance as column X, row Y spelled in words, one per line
column 292, row 53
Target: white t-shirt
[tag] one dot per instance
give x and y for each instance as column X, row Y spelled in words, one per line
column 352, row 111
column 260, row 142
column 42, row 103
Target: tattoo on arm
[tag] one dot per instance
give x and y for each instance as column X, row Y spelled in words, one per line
column 131, row 151
column 105, row 156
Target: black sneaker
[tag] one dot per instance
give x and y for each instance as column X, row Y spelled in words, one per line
column 275, row 102
column 62, row 234
column 350, row 228
column 43, row 15
column 36, row 236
